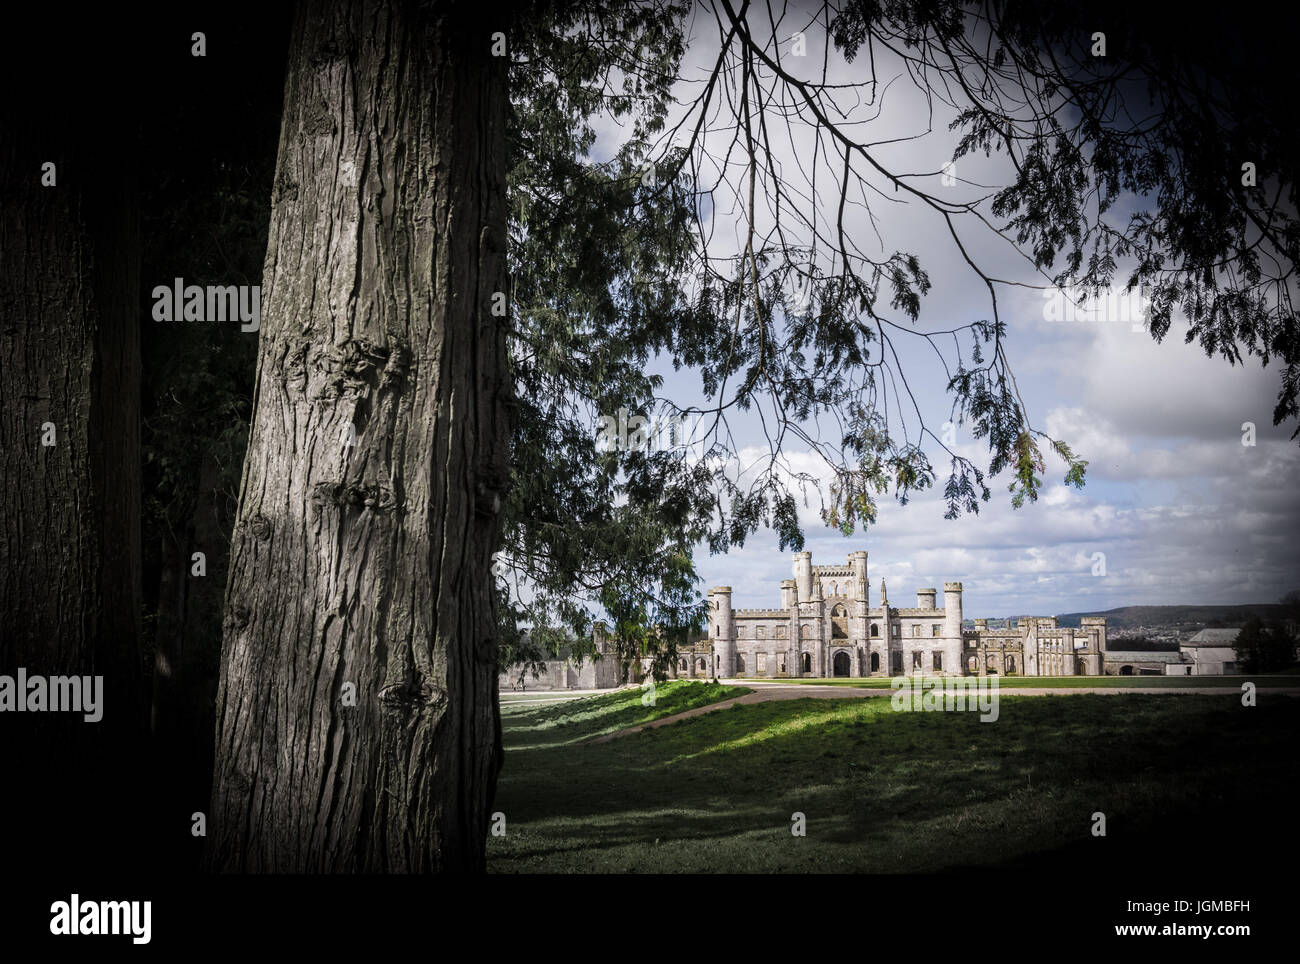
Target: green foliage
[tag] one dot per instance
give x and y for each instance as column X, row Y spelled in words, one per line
column 1263, row 647
column 595, row 252
column 1159, row 128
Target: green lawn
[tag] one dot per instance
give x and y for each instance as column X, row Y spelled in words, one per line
column 1011, row 682
column 885, row 791
column 546, row 725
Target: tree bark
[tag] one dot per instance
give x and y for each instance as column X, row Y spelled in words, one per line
column 70, row 580
column 365, row 567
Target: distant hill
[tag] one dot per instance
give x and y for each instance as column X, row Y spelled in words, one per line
column 1134, row 617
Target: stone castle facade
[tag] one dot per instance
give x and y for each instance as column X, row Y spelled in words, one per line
column 826, row 626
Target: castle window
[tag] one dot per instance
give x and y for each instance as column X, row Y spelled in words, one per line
column 839, row 623
column 938, row 660
column 898, row 631
column 804, row 630
column 875, row 629
column 761, row 660
column 935, row 629
column 760, row 632
column 916, row 631
column 781, row 632
column 916, row 659
column 780, row 663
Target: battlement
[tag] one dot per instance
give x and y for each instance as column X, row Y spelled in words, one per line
column 910, row 611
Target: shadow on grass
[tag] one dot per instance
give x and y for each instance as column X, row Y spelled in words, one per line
column 572, row 721
column 885, row 791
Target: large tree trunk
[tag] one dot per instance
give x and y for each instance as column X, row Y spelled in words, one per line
column 365, row 568
column 70, row 582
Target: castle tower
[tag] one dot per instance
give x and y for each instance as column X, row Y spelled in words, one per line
column 859, row 623
column 803, row 575
column 1069, row 657
column 1029, row 646
column 925, row 598
column 858, row 560
column 793, row 665
column 952, row 648
column 884, row 646
column 722, row 628
column 808, row 612
column 1093, row 628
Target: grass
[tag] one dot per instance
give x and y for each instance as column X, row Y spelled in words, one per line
column 559, row 723
column 1066, row 682
column 1177, row 777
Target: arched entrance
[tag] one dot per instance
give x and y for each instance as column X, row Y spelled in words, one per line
column 875, row 662
column 1126, row 671
column 807, row 662
column 841, row 664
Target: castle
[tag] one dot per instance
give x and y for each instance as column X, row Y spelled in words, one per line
column 826, row 626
